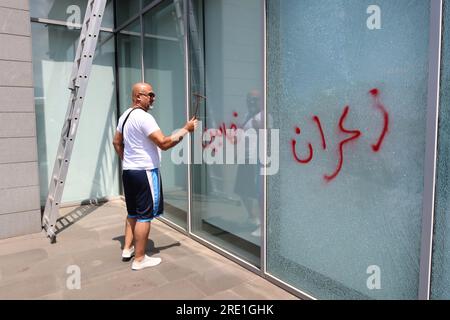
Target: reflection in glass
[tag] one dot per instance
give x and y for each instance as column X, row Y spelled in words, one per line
column 71, row 11
column 227, row 198
column 93, row 172
column 125, row 10
column 130, row 66
column 147, row 2
column 164, row 70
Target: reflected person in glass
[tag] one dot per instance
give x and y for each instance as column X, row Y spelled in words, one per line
column 248, row 179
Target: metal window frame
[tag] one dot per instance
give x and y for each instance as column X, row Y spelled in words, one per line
column 141, row 22
column 435, row 43
column 141, row 12
column 265, row 180
column 187, row 73
column 75, row 26
column 116, row 76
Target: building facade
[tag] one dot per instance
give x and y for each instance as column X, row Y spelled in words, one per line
column 341, row 109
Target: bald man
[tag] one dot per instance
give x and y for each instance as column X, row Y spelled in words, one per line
column 138, row 142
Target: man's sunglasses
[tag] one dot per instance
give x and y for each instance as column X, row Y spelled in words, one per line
column 150, row 95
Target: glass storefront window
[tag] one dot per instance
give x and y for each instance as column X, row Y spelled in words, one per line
column 347, row 87
column 441, row 247
column 146, row 3
column 164, row 69
column 347, row 92
column 71, row 11
column 130, row 62
column 125, row 10
column 226, row 65
column 93, row 172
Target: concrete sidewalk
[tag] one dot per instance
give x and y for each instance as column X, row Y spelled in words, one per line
column 91, row 239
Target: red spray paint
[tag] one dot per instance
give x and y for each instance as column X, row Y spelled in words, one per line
column 319, row 125
column 375, row 94
column 355, row 134
column 294, row 143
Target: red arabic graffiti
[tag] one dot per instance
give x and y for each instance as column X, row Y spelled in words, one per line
column 353, row 135
column 319, row 125
column 214, row 133
column 375, row 94
column 311, row 151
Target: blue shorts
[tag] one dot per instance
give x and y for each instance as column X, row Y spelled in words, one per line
column 143, row 194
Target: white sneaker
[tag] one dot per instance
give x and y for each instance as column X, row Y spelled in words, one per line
column 145, row 263
column 127, row 253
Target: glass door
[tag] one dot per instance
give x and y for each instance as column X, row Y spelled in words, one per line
column 164, row 69
column 226, row 47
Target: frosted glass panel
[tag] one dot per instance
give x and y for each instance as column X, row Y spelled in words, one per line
column 93, row 172
column 71, row 11
column 440, row 285
column 348, row 90
column 164, row 70
column 226, row 63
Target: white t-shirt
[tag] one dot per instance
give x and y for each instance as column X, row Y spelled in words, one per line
column 140, row 153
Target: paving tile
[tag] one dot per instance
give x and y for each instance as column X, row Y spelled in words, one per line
column 215, row 280
column 32, row 268
column 13, row 263
column 178, row 252
column 174, row 271
column 197, row 262
column 118, row 285
column 261, row 289
column 51, row 296
column 95, row 265
column 224, row 295
column 177, row 290
column 32, row 288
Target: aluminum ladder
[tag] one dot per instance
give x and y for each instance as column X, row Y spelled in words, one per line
column 78, row 83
